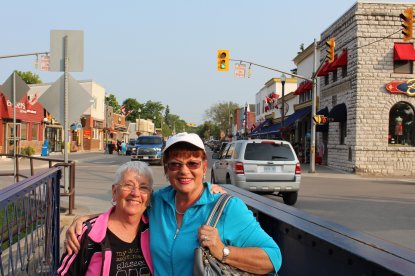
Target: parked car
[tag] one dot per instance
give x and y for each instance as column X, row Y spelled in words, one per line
column 130, row 146
column 148, row 149
column 260, row 166
column 222, row 147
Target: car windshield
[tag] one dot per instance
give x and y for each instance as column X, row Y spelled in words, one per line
column 149, row 140
column 131, row 143
column 269, row 152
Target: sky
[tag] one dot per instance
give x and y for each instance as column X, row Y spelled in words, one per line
column 165, row 50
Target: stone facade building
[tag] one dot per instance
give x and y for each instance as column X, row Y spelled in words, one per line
column 371, row 129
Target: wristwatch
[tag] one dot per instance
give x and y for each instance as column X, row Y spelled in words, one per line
column 226, row 253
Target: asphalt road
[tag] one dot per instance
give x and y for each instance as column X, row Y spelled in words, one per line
column 382, row 207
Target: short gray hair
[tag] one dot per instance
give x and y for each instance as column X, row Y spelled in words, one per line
column 138, row 167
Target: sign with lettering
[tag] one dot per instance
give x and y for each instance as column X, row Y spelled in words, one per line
column 402, row 87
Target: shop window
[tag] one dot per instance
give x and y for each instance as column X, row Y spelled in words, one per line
column 403, row 66
column 401, row 125
column 35, row 132
column 343, row 132
column 23, row 131
column 334, row 75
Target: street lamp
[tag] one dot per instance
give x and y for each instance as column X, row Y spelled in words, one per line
column 246, row 120
column 283, row 78
column 231, row 126
column 138, row 125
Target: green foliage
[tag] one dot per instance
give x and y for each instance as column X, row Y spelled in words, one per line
column 131, row 108
column 28, row 151
column 112, row 101
column 220, row 114
column 29, row 77
column 208, row 129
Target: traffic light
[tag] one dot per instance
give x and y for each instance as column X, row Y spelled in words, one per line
column 320, row 119
column 223, row 60
column 408, row 19
column 331, row 44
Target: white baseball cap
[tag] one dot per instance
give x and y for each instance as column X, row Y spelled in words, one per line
column 185, row 137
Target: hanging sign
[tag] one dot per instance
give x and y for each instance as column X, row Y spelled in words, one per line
column 402, row 87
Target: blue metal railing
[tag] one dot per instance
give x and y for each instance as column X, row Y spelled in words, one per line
column 29, row 225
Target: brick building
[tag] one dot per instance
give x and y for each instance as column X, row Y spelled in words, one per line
column 369, row 92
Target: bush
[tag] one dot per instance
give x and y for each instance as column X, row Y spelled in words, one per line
column 28, row 151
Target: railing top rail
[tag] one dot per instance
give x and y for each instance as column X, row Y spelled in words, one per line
column 386, row 254
column 15, row 190
column 36, row 158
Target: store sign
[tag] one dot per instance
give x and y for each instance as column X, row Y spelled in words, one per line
column 402, row 87
column 21, row 107
column 87, row 133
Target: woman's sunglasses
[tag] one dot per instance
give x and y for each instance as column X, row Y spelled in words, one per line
column 175, row 166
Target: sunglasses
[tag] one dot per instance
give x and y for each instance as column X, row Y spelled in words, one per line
column 191, row 165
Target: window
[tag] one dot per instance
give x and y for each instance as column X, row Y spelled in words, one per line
column 35, row 132
column 269, row 152
column 334, row 75
column 344, row 71
column 23, row 131
column 403, row 67
column 326, row 79
column 401, row 125
column 343, row 132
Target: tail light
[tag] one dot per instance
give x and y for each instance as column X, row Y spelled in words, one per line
column 297, row 168
column 239, row 168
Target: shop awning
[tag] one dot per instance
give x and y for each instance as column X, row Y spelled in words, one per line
column 338, row 113
column 403, row 51
column 304, row 87
column 341, row 60
column 259, row 128
column 291, row 119
column 323, row 70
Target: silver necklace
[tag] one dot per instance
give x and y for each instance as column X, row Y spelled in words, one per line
column 177, row 211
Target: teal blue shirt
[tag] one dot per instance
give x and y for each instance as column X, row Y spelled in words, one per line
column 172, row 248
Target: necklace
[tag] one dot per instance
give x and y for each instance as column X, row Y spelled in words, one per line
column 182, row 213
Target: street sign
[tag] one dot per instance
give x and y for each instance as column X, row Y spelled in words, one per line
column 75, row 50
column 21, row 88
column 44, row 63
column 53, row 100
column 240, row 70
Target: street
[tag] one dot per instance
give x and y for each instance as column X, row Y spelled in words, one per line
column 382, row 207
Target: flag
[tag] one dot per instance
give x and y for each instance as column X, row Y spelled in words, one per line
column 122, row 109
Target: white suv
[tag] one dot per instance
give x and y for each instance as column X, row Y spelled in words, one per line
column 262, row 166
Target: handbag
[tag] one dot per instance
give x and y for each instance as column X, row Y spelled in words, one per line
column 204, row 263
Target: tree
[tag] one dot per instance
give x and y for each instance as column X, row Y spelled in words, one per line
column 131, row 109
column 29, row 77
column 219, row 114
column 112, row 101
column 207, row 130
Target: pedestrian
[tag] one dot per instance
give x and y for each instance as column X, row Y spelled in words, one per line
column 121, row 231
column 178, row 212
column 123, row 148
column 118, row 146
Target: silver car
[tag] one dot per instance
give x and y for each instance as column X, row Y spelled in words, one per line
column 262, row 166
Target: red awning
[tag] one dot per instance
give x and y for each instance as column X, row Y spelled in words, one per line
column 404, row 51
column 323, row 70
column 341, row 60
column 304, row 86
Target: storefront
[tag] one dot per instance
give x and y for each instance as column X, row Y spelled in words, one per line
column 369, row 92
column 29, row 125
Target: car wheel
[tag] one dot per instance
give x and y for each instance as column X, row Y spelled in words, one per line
column 228, row 179
column 212, row 178
column 290, row 198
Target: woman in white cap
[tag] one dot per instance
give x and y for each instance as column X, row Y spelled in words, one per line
column 178, row 212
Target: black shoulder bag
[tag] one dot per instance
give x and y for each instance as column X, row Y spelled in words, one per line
column 204, row 263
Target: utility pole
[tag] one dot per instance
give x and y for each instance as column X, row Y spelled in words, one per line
column 313, row 112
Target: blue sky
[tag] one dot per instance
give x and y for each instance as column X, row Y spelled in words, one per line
column 166, row 50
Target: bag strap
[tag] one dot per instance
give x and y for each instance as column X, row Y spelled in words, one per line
column 217, row 210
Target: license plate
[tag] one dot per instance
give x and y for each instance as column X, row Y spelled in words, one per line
column 145, row 157
column 270, row 169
